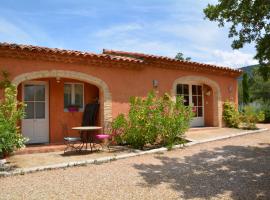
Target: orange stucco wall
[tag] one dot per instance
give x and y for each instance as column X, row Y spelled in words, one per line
column 122, row 83
column 208, row 106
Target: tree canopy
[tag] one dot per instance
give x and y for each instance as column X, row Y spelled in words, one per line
column 180, row 56
column 249, row 21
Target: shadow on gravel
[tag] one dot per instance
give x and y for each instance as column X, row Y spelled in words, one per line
column 241, row 172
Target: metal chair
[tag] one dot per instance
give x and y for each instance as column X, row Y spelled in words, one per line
column 71, row 141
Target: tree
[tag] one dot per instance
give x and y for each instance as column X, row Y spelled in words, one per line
column 180, row 56
column 259, row 89
column 249, row 22
column 245, row 88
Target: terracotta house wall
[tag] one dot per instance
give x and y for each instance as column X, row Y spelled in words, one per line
column 122, row 82
column 208, row 106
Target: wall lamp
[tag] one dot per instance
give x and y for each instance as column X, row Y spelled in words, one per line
column 155, row 83
column 57, row 79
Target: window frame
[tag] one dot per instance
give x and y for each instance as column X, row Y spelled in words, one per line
column 73, row 95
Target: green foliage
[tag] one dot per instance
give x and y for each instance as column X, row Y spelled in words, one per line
column 231, row 115
column 11, row 111
column 247, row 118
column 175, row 118
column 249, row 22
column 259, row 89
column 119, row 126
column 152, row 119
column 180, row 56
column 265, row 108
column 5, row 82
column 250, row 116
column 245, row 88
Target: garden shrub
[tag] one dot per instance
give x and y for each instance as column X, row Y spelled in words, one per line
column 11, row 111
column 266, row 110
column 231, row 115
column 118, row 127
column 151, row 119
column 250, row 116
column 175, row 120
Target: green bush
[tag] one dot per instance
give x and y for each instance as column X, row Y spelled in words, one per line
column 118, row 127
column 175, row 119
column 231, row 115
column 250, row 116
column 152, row 119
column 266, row 110
column 11, row 111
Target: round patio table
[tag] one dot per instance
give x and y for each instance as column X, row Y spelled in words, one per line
column 86, row 135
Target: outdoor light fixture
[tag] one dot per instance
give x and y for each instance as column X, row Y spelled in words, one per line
column 230, row 88
column 208, row 93
column 57, row 79
column 155, row 83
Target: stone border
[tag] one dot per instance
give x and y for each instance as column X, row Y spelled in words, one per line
column 118, row 157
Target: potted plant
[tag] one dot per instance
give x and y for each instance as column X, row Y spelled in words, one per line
column 73, row 108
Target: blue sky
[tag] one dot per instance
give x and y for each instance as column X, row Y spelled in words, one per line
column 149, row 26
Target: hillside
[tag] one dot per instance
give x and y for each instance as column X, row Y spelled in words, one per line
column 248, row 69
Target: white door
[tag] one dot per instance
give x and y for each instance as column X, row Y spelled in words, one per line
column 196, row 96
column 35, row 125
column 193, row 96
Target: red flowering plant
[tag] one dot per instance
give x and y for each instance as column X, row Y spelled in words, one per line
column 153, row 119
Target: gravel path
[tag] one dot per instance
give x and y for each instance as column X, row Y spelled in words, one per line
column 237, row 168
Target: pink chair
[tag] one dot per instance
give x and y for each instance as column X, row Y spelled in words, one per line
column 106, row 138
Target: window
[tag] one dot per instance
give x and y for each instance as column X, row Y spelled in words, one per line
column 73, row 95
column 34, row 98
column 197, row 100
column 183, row 90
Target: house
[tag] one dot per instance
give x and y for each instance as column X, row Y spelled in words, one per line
column 50, row 80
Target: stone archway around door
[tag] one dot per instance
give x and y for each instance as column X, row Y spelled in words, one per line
column 217, row 103
column 105, row 93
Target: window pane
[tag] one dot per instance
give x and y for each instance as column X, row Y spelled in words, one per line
column 179, row 89
column 186, row 100
column 194, row 91
column 199, row 90
column 199, row 100
column 29, row 110
column 39, row 93
column 195, row 111
column 29, row 91
column 67, row 95
column 200, row 113
column 194, row 100
column 79, row 95
column 40, row 110
column 186, row 89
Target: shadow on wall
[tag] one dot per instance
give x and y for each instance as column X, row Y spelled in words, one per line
column 243, row 172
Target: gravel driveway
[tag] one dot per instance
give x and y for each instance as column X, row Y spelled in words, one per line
column 237, row 168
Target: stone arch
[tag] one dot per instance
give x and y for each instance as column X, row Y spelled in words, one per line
column 105, row 93
column 217, row 105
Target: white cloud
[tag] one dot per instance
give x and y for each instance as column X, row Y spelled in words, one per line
column 233, row 58
column 23, row 32
column 202, row 34
column 118, row 29
column 10, row 32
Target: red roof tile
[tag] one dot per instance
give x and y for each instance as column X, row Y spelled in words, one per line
column 31, row 48
column 163, row 58
column 121, row 57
